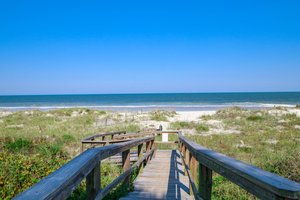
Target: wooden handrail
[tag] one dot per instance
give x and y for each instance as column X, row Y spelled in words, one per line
column 60, row 184
column 199, row 163
column 103, row 135
column 262, row 184
column 116, row 137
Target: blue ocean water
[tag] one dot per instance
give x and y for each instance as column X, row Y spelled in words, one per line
column 176, row 101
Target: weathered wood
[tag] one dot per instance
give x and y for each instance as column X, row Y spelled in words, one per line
column 61, row 183
column 205, row 182
column 105, row 141
column 161, row 179
column 103, row 134
column 188, row 162
column 120, row 178
column 154, row 148
column 187, row 158
column 192, row 185
column 140, row 148
column 126, row 165
column 193, row 167
column 147, row 150
column 93, row 182
column 140, row 153
column 261, row 183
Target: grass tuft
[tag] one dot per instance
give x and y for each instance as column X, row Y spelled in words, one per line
column 18, row 145
column 161, row 115
column 199, row 127
column 254, row 118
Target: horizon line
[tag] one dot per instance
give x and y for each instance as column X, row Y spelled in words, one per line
column 71, row 94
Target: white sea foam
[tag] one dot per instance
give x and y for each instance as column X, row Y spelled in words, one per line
column 180, row 106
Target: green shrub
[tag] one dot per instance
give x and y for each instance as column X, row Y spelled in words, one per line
column 19, row 171
column 201, row 128
column 189, row 125
column 51, row 149
column 101, row 112
column 254, row 118
column 68, row 138
column 161, row 115
column 18, row 145
column 182, row 125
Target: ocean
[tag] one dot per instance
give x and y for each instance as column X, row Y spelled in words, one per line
column 171, row 101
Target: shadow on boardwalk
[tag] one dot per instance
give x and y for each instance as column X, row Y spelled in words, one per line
column 163, row 178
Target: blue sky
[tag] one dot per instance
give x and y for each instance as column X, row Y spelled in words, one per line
column 57, row 47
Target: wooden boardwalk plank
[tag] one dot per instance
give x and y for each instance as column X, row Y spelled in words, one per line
column 162, row 178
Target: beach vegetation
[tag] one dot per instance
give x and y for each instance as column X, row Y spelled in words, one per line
column 35, row 143
column 181, row 125
column 254, row 118
column 161, row 115
column 267, row 140
column 199, row 127
column 17, row 145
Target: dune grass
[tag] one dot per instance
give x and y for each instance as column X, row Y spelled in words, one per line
column 199, row 127
column 34, row 143
column 161, row 115
column 270, row 142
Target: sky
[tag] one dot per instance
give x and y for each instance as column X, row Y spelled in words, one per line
column 94, row 47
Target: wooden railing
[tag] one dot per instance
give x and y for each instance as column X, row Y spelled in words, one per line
column 111, row 138
column 61, row 183
column 200, row 162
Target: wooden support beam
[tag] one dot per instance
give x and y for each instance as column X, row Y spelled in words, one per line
column 187, row 160
column 184, row 156
column 81, row 147
column 93, row 182
column 152, row 146
column 140, row 155
column 140, row 148
column 147, row 150
column 204, row 182
column 126, row 165
column 194, row 168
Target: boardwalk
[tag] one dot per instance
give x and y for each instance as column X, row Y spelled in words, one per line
column 163, row 178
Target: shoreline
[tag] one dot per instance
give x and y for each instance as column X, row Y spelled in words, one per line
column 128, row 108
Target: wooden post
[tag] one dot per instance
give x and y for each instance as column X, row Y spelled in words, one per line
column 126, row 165
column 187, row 160
column 103, row 138
column 180, row 145
column 205, row 182
column 193, row 170
column 93, row 182
column 147, row 151
column 152, row 147
column 189, row 163
column 112, row 137
column 140, row 154
column 184, row 157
